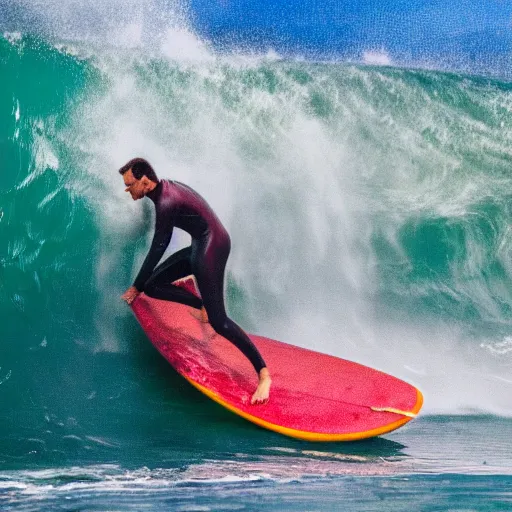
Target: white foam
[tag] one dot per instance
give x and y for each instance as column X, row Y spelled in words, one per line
column 13, row 37
column 17, row 111
column 129, row 35
column 182, row 45
column 377, row 57
column 6, row 377
column 499, row 347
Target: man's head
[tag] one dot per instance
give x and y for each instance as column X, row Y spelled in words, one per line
column 139, row 177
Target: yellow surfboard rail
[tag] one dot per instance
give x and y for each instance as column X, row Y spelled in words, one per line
column 318, row 436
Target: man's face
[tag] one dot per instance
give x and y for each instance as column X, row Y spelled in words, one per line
column 134, row 186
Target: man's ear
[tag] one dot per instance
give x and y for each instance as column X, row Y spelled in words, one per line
column 145, row 180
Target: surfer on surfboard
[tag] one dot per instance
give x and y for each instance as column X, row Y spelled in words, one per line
column 177, row 205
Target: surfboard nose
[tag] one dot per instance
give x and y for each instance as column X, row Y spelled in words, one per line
column 410, row 414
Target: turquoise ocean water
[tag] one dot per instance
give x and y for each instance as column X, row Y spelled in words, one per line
column 369, row 208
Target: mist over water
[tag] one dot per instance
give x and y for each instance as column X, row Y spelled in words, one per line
column 368, row 207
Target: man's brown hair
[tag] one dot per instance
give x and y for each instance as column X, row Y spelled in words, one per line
column 139, row 167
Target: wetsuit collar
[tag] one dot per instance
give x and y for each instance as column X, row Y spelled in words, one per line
column 155, row 193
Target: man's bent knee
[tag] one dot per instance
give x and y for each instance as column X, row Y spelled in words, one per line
column 220, row 326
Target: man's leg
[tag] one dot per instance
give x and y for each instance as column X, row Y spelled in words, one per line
column 209, row 265
column 159, row 285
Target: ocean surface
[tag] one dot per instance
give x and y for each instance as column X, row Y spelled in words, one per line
column 369, row 206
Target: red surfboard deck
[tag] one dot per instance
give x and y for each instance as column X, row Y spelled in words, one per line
column 314, row 396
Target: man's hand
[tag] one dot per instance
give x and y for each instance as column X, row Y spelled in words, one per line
column 130, row 294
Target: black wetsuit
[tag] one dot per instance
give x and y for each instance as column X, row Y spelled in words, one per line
column 177, row 205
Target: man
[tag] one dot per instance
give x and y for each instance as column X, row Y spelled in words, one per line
column 177, row 205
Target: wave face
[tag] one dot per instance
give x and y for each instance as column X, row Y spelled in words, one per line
column 369, row 208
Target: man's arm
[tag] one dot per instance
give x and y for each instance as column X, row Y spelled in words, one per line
column 161, row 239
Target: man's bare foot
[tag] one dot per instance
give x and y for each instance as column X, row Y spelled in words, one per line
column 200, row 315
column 262, row 393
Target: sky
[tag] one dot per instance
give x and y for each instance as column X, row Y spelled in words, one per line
column 464, row 34
column 415, row 27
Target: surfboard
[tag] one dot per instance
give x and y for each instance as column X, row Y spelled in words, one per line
column 314, row 396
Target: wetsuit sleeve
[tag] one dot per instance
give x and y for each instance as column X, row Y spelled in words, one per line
column 161, row 239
